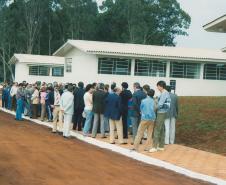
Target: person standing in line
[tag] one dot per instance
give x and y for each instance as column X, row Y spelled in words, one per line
column 170, row 122
column 35, row 102
column 162, row 109
column 28, row 94
column 106, row 120
column 78, row 106
column 113, row 86
column 43, row 102
column 113, row 113
column 5, row 96
column 20, row 102
column 126, row 95
column 99, row 97
column 137, row 97
column 88, row 100
column 49, row 103
column 57, row 114
column 13, row 92
column 148, row 117
column 67, row 108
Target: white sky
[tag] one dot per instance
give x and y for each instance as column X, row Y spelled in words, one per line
column 202, row 12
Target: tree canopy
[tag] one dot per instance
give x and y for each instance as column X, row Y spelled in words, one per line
column 42, row 26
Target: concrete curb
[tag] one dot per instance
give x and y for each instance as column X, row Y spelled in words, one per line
column 135, row 155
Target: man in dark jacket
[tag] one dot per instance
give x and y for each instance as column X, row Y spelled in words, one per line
column 99, row 97
column 126, row 95
column 50, row 103
column 113, row 112
column 78, row 106
column 138, row 96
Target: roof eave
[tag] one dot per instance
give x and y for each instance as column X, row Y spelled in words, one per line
column 209, row 26
column 13, row 60
column 132, row 55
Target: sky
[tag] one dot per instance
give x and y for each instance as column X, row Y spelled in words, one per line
column 201, row 12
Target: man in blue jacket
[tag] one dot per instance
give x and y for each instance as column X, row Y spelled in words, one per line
column 113, row 112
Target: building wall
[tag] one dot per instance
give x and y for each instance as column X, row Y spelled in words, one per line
column 85, row 68
column 22, row 73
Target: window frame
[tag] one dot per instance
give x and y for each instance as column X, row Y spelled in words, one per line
column 39, row 72
column 114, row 66
column 62, row 71
column 186, row 70
column 152, row 68
column 68, row 65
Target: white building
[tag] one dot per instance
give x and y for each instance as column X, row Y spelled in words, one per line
column 197, row 72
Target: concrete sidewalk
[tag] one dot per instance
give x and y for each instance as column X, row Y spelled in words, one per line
column 192, row 159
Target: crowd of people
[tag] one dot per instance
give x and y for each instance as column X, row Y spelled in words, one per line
column 99, row 108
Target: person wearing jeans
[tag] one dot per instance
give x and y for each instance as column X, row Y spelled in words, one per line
column 88, row 100
column 162, row 109
column 20, row 102
column 170, row 122
column 99, row 97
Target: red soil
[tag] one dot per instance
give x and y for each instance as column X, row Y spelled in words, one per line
column 31, row 155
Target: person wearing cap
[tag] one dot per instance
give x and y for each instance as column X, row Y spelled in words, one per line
column 67, row 108
column 125, row 95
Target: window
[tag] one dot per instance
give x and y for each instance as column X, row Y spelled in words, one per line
column 116, row 66
column 39, row 70
column 58, row 71
column 215, row 71
column 153, row 68
column 68, row 65
column 184, row 70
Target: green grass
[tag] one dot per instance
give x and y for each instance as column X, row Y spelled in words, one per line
column 202, row 123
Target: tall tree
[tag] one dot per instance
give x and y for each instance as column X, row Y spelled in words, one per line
column 143, row 21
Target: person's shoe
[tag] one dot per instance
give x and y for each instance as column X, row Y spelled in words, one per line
column 124, row 143
column 112, row 143
column 60, row 133
column 160, row 149
column 152, row 150
column 102, row 137
column 54, row 132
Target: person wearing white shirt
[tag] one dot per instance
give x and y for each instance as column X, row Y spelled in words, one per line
column 88, row 100
column 13, row 92
column 67, row 108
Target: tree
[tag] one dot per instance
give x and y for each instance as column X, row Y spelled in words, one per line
column 143, row 21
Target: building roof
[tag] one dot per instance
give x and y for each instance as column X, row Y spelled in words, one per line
column 37, row 59
column 138, row 50
column 217, row 25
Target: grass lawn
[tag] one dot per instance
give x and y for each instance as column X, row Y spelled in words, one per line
column 202, row 123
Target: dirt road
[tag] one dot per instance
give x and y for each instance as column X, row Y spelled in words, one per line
column 31, row 155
